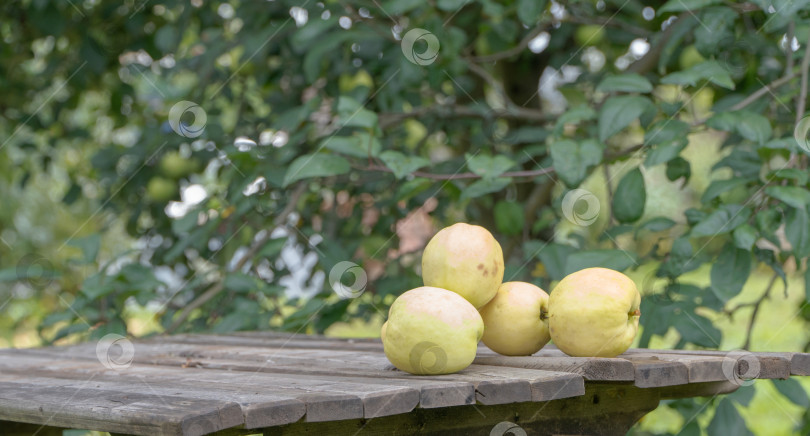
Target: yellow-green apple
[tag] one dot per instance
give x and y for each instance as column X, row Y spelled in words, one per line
column 465, row 259
column 515, row 321
column 594, row 312
column 431, row 331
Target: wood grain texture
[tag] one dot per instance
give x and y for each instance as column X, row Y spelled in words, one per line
column 342, row 399
column 90, row 408
column 750, row 364
column 492, row 385
column 592, row 369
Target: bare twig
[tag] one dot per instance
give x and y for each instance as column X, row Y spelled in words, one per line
column 789, row 48
column 449, row 112
column 459, row 176
column 254, row 248
column 609, row 193
column 764, row 90
column 756, row 305
column 800, row 105
column 514, row 51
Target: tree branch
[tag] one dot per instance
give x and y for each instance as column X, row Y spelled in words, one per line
column 254, row 248
column 514, row 51
column 450, row 112
column 756, row 310
column 764, row 90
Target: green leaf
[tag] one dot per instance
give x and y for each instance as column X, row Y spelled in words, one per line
column 666, row 131
column 485, row 186
column 745, row 236
column 730, row 271
column 529, row 11
column 708, row 70
column 489, row 166
column 715, row 30
column 799, row 176
column 630, row 197
column 357, row 145
column 744, row 163
column 793, row 391
column 401, row 164
column 727, row 420
column 629, row 82
column 790, row 195
column 509, row 217
column 665, row 152
column 797, row 231
column 657, row 224
column 239, row 282
column 315, row 165
column 574, row 115
column 754, row 127
column 677, row 168
column 572, row 159
column 697, row 329
column 718, row 187
column 618, row 112
column 618, row 260
column 89, row 245
column 353, row 114
column 685, row 5
column 723, row 220
column 553, row 256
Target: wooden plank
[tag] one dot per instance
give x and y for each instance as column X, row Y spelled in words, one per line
column 591, row 369
column 493, row 385
column 259, row 409
column 605, row 409
column 294, row 341
column 89, row 408
column 699, row 368
column 335, row 399
column 647, row 373
column 770, row 365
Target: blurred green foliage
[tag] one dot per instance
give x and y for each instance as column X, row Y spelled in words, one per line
column 636, row 136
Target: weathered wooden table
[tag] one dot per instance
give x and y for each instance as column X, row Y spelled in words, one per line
column 272, row 383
